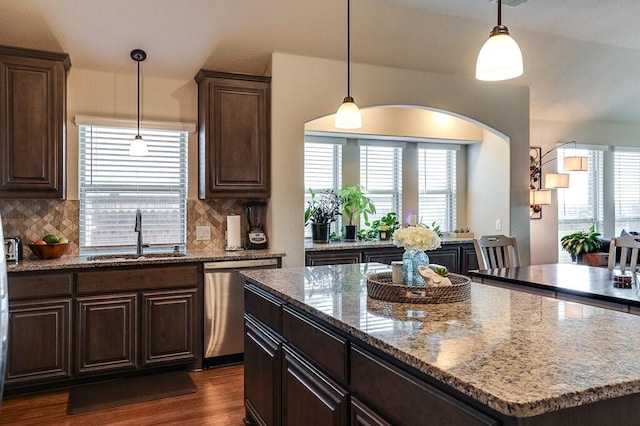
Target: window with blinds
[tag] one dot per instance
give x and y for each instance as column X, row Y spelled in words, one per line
column 381, row 175
column 437, row 187
column 627, row 189
column 112, row 185
column 581, row 205
column 322, row 169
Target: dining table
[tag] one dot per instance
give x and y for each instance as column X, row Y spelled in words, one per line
column 586, row 284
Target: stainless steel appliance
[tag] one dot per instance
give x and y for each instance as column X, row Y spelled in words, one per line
column 4, row 315
column 224, row 309
column 13, row 249
column 256, row 238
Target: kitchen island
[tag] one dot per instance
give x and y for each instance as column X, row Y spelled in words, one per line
column 319, row 351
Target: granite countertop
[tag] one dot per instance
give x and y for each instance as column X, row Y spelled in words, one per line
column 518, row 353
column 82, row 262
column 356, row 245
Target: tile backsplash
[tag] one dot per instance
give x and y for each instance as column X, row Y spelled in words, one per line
column 31, row 219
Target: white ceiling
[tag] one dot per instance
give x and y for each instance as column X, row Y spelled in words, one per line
column 582, row 57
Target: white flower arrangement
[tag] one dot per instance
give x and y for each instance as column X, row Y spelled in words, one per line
column 417, row 237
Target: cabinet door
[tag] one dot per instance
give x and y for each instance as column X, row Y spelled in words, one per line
column 262, row 372
column 39, row 341
column 383, row 255
column 32, row 123
column 309, row 397
column 169, row 327
column 106, row 333
column 447, row 255
column 361, row 415
column 468, row 258
column 234, row 135
column 331, row 257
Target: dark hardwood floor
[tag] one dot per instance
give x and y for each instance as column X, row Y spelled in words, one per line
column 219, row 401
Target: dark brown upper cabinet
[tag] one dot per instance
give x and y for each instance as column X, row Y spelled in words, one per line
column 32, row 123
column 234, row 131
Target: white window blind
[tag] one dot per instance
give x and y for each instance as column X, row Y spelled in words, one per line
column 322, row 169
column 627, row 190
column 581, row 205
column 381, row 175
column 437, row 187
column 112, row 185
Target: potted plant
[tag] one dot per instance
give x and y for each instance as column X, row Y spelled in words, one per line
column 384, row 227
column 354, row 204
column 580, row 242
column 320, row 212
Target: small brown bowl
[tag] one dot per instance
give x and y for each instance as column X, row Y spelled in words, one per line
column 50, row 251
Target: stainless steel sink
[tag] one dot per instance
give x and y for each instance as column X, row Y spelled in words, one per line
column 133, row 256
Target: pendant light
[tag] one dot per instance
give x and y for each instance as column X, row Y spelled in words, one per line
column 138, row 147
column 348, row 115
column 500, row 57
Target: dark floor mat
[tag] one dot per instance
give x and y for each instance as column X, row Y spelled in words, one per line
column 116, row 393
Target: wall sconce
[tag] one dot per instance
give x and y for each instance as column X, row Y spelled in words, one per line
column 539, row 196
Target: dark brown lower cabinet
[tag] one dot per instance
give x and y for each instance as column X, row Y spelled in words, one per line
column 107, row 333
column 262, row 378
column 309, row 397
column 457, row 257
column 168, row 327
column 361, row 415
column 39, row 341
column 65, row 328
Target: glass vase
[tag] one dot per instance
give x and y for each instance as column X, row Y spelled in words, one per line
column 411, row 260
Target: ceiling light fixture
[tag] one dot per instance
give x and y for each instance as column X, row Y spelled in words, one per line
column 138, row 147
column 500, row 57
column 348, row 115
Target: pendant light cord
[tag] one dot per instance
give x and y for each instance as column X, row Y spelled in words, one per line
column 348, row 48
column 499, row 12
column 138, row 98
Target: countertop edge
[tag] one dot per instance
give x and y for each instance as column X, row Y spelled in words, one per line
column 81, row 262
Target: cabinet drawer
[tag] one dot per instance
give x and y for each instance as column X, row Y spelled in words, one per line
column 411, row 401
column 31, row 286
column 324, row 348
column 141, row 278
column 263, row 306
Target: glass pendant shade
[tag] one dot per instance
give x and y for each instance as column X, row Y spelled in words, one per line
column 576, row 164
column 556, row 180
column 138, row 147
column 538, row 197
column 348, row 115
column 500, row 57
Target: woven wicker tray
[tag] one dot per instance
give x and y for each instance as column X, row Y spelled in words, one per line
column 380, row 286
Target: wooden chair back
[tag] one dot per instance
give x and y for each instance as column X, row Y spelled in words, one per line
column 627, row 244
column 496, row 251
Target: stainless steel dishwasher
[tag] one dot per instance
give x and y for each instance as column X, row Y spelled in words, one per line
column 224, row 309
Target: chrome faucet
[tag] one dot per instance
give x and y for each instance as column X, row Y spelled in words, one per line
column 138, row 229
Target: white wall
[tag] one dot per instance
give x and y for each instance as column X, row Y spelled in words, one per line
column 306, row 88
column 546, row 134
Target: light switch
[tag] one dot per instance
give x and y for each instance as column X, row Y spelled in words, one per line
column 498, row 225
column 203, row 233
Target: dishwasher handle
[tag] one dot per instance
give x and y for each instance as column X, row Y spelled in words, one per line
column 241, row 264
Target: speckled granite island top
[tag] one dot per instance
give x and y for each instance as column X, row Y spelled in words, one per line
column 83, row 262
column 518, row 353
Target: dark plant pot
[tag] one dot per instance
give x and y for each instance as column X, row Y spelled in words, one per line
column 577, row 258
column 350, row 232
column 320, row 232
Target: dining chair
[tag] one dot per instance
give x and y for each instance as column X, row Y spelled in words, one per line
column 629, row 247
column 496, row 251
